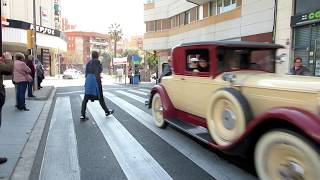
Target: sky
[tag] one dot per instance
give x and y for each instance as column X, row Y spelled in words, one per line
column 98, row 15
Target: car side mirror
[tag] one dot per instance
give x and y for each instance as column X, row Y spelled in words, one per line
column 230, row 77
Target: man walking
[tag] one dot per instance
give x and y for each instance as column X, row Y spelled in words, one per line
column 6, row 67
column 93, row 86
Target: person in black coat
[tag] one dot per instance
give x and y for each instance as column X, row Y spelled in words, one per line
column 30, row 64
column 93, row 86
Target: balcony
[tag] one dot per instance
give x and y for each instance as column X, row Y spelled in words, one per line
column 199, row 2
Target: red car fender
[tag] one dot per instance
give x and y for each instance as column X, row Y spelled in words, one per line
column 306, row 121
column 168, row 108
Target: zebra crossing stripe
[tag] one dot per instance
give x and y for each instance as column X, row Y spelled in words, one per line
column 132, row 96
column 145, row 90
column 206, row 160
column 60, row 160
column 138, row 92
column 134, row 160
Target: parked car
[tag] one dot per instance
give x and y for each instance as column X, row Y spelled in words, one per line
column 71, row 74
column 243, row 107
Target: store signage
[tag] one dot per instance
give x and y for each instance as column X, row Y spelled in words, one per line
column 43, row 30
column 307, row 18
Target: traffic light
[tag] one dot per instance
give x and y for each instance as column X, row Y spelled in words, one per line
column 29, row 39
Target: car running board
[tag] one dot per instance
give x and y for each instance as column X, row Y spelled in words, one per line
column 198, row 132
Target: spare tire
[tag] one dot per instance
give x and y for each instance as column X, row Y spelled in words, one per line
column 228, row 114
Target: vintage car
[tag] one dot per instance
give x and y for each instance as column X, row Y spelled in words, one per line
column 236, row 103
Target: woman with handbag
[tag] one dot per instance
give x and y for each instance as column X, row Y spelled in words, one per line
column 21, row 76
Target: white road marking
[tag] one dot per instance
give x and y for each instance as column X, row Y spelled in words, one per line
column 70, row 92
column 135, row 97
column 138, row 92
column 60, row 160
column 205, row 159
column 145, row 90
column 134, row 160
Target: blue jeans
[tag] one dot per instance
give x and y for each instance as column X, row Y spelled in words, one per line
column 21, row 93
column 30, row 86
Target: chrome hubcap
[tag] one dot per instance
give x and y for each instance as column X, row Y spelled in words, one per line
column 228, row 119
column 291, row 171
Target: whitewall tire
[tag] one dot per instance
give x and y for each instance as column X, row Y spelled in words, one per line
column 157, row 111
column 284, row 155
column 227, row 116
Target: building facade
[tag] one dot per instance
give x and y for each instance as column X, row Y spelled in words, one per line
column 80, row 45
column 16, row 34
column 171, row 22
column 298, row 28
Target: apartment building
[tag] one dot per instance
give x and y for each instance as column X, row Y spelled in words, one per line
column 50, row 40
column 171, row 22
column 80, row 45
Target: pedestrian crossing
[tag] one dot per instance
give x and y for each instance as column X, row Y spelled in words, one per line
column 136, row 161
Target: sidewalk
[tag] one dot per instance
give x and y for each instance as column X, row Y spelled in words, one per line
column 18, row 128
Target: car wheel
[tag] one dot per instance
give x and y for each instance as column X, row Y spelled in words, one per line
column 286, row 155
column 227, row 115
column 157, row 111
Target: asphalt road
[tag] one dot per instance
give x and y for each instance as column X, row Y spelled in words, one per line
column 126, row 145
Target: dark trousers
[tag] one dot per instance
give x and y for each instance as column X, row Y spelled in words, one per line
column 21, row 93
column 39, row 81
column 87, row 98
column 30, row 86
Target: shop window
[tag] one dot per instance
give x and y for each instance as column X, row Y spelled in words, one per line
column 213, row 8
column 187, row 17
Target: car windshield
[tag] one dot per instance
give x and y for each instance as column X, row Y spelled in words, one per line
column 245, row 59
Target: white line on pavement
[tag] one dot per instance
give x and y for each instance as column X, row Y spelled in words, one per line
column 134, row 160
column 205, row 159
column 60, row 159
column 135, row 97
column 138, row 92
column 145, row 90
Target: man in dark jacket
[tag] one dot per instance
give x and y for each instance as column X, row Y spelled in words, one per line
column 298, row 68
column 93, row 86
column 6, row 67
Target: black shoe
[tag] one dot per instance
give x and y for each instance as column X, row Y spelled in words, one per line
column 23, row 109
column 111, row 111
column 84, row 118
column 32, row 96
column 3, row 160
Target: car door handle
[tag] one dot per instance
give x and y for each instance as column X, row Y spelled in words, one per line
column 182, row 78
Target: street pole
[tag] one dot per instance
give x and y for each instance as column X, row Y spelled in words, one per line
column 34, row 48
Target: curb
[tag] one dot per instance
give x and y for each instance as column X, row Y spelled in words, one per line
column 24, row 165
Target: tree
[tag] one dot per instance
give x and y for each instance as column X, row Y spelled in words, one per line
column 115, row 34
column 152, row 60
column 106, row 59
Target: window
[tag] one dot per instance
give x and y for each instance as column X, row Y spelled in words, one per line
column 197, row 60
column 245, row 59
column 181, row 19
column 175, row 21
column 213, row 8
column 158, row 25
column 150, row 26
column 194, row 16
column 206, row 10
column 187, row 17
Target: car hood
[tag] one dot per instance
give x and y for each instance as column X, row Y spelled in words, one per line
column 261, row 79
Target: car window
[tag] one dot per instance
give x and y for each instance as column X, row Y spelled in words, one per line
column 197, row 60
column 233, row 59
